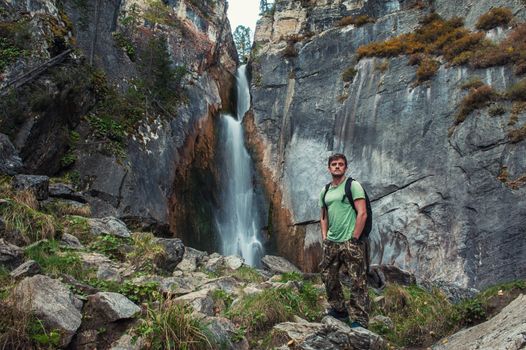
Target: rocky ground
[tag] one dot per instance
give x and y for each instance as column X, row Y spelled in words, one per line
column 76, row 282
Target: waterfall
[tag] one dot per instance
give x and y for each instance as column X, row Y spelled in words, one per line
column 237, row 218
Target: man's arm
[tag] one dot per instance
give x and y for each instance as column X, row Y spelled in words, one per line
column 361, row 217
column 324, row 223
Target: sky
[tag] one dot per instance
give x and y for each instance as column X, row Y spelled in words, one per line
column 243, row 12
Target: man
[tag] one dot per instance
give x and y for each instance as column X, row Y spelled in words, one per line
column 341, row 228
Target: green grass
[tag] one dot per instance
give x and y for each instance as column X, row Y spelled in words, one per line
column 257, row 313
column 247, row 274
column 172, row 326
column 54, row 260
column 113, row 247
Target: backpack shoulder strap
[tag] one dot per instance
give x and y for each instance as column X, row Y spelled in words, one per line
column 323, row 199
column 348, row 192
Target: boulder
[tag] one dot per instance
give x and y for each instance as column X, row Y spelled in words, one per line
column 234, row 262
column 128, row 342
column 10, row 162
column 27, row 269
column 112, row 306
column 70, row 241
column 174, row 248
column 10, row 255
column 39, row 184
column 201, row 301
column 329, row 334
column 394, row 274
column 226, row 333
column 51, row 302
column 108, row 273
column 65, row 191
column 277, row 264
column 192, row 258
column 215, row 263
column 506, row 330
column 109, row 225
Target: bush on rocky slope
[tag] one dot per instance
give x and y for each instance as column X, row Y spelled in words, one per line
column 499, row 16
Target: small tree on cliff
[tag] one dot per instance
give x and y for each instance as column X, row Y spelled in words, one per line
column 243, row 42
column 265, row 7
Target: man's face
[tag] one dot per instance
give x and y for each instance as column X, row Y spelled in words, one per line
column 337, row 167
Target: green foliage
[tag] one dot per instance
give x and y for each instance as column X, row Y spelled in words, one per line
column 258, row 312
column 348, row 74
column 77, row 226
column 125, row 43
column 266, row 8
column 420, row 317
column 291, row 276
column 157, row 12
column 499, row 16
column 145, row 252
column 496, row 110
column 111, row 246
column 247, row 274
column 139, row 293
column 15, row 42
column 242, row 41
column 5, row 280
column 42, row 337
column 172, row 326
column 32, row 224
column 221, row 297
column 54, row 260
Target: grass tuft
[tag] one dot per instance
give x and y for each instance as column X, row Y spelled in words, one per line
column 517, row 92
column 357, row 21
column 172, row 326
column 32, row 224
column 476, row 98
column 54, row 260
column 145, row 252
column 496, row 17
column 349, row 74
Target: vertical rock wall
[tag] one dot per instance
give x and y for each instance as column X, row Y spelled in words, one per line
column 439, row 208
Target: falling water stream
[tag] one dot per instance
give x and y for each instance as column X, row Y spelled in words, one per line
column 237, row 219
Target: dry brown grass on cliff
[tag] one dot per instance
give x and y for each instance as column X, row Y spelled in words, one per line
column 499, row 16
column 517, row 135
column 357, row 21
column 26, row 197
column 427, row 68
column 475, row 99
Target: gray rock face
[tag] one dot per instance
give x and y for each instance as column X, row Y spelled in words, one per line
column 440, row 211
column 507, row 330
column 39, row 184
column 108, row 225
column 112, row 306
column 70, row 241
column 10, row 162
column 65, row 191
column 174, row 249
column 52, row 302
column 222, row 329
column 10, row 255
column 278, row 264
column 27, row 269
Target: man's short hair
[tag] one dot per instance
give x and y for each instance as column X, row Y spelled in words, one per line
column 336, row 156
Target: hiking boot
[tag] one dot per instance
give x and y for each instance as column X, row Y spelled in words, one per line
column 339, row 315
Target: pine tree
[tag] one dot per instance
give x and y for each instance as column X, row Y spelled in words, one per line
column 242, row 42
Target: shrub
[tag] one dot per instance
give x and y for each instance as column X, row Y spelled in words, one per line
column 475, row 99
column 111, row 246
column 172, row 326
column 496, row 110
column 499, row 16
column 290, row 50
column 517, row 92
column 348, row 74
column 357, row 21
column 427, row 69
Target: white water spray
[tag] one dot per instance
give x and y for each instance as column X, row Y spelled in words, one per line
column 237, row 219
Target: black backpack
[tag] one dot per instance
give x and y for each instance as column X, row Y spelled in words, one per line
column 348, row 193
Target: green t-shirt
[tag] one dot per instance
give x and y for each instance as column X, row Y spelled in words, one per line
column 342, row 217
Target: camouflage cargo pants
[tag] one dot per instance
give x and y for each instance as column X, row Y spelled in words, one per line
column 351, row 257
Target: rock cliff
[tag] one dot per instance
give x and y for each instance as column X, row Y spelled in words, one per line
column 128, row 111
column 443, row 201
